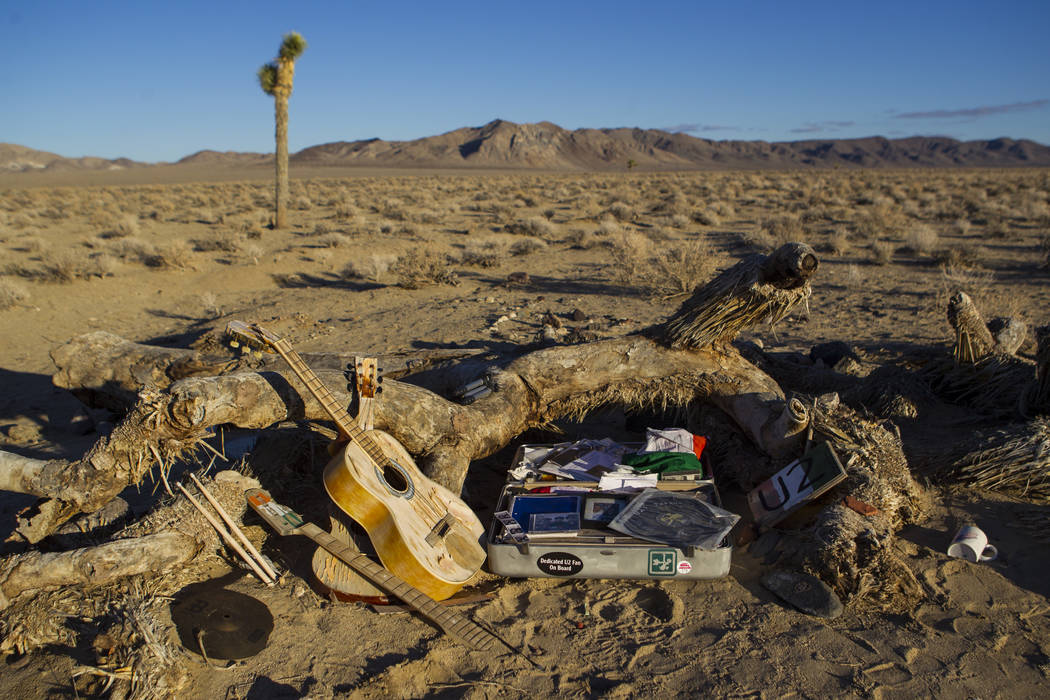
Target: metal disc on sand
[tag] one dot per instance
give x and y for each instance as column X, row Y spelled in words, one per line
column 230, row 625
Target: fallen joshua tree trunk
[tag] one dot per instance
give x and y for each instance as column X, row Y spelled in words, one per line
column 685, row 360
column 533, row 390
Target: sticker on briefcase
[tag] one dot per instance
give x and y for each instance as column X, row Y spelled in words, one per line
column 684, row 567
column 662, row 562
column 559, row 564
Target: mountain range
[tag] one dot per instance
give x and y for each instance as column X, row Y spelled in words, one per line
column 544, row 146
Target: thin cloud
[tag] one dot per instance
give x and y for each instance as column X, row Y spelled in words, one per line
column 817, row 127
column 695, row 128
column 974, row 112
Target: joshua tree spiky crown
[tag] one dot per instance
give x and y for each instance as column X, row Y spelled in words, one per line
column 275, row 79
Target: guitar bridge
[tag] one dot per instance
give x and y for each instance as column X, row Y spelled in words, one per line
column 438, row 532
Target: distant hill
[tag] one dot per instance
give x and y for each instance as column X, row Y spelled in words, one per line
column 19, row 158
column 503, row 144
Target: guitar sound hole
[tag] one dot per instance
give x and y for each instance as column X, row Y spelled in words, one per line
column 395, row 479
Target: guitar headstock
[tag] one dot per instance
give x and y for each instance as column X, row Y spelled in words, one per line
column 281, row 518
column 252, row 335
column 366, row 374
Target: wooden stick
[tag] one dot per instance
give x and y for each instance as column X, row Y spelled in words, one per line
column 234, row 529
column 263, row 576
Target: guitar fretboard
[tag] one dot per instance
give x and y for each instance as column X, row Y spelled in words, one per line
column 454, row 624
column 317, row 388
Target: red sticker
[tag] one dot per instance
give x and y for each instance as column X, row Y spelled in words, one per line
column 684, row 567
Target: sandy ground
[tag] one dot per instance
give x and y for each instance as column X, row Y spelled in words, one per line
column 163, row 264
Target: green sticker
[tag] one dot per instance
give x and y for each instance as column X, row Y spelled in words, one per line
column 662, row 562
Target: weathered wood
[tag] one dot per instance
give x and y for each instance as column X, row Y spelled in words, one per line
column 95, row 565
column 106, row 370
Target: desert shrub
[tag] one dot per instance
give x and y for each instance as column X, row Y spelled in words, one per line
column 488, row 253
column 757, row 239
column 527, row 246
column 881, row 252
column 210, row 305
column 99, row 265
column 838, row 241
column 706, row 217
column 333, row 240
column 369, row 268
column 621, row 211
column 32, row 244
column 124, row 226
column 679, row 220
column 922, row 239
column 302, row 203
column 608, row 228
column 418, row 268
column 11, row 294
column 174, row 255
column 1044, row 250
column 976, row 283
column 322, row 229
column 630, row 255
column 582, row 239
column 782, row 229
column 961, row 254
column 393, row 209
column 251, row 254
column 533, row 226
column 345, row 210
column 225, row 242
column 426, row 216
column 549, row 214
column 668, row 270
column 62, row 266
column 961, row 227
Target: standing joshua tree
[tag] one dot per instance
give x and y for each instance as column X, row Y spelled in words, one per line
column 275, row 79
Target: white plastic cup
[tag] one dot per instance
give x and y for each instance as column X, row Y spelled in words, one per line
column 971, row 544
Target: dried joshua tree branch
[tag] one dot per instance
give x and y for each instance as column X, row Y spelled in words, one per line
column 107, row 370
column 531, row 391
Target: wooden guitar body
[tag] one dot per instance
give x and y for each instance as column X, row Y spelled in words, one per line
column 421, row 531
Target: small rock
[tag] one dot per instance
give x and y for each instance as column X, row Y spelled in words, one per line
column 518, row 278
column 807, row 593
column 549, row 319
column 578, row 315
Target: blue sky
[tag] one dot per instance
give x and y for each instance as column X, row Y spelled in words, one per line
column 157, row 81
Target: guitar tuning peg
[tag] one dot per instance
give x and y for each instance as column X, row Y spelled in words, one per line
column 380, row 380
column 379, row 390
column 350, row 366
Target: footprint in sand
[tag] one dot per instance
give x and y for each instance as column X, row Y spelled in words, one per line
column 658, row 603
column 609, row 610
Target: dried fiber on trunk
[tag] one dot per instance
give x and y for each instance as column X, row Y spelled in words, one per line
column 850, row 552
column 758, row 289
column 1014, row 460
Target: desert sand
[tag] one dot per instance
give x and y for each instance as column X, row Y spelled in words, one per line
column 423, row 261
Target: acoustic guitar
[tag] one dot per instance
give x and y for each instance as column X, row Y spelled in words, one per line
column 420, row 530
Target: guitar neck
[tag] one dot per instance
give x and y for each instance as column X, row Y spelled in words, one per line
column 348, row 428
column 451, row 622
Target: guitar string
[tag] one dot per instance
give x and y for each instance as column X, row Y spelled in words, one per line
column 324, row 397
